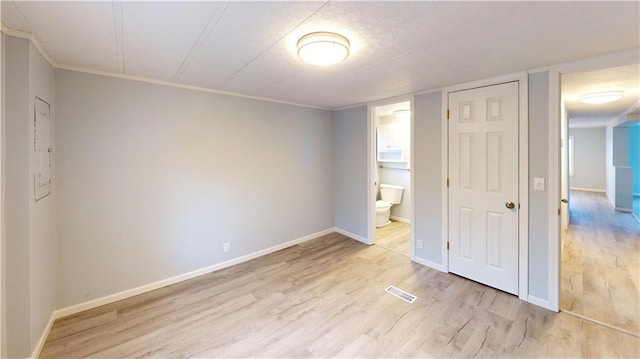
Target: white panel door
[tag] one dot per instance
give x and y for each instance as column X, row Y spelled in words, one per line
column 483, row 175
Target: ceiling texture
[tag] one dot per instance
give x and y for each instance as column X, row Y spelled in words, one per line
column 250, row 47
column 574, row 85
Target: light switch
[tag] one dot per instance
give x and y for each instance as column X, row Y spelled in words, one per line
column 538, row 183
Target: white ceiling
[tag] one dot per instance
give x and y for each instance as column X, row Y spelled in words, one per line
column 574, row 85
column 397, row 47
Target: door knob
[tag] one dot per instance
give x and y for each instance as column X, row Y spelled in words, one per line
column 564, row 200
column 510, row 205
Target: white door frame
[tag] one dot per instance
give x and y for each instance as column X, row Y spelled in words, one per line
column 371, row 166
column 523, row 173
column 624, row 58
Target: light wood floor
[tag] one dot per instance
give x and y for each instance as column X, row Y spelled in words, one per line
column 601, row 263
column 395, row 236
column 325, row 298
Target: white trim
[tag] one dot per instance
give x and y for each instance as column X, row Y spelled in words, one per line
column 182, row 277
column 352, row 236
column 43, row 338
column 539, row 302
column 615, row 59
column 553, row 239
column 424, row 92
column 412, row 182
column 523, row 173
column 444, row 171
column 430, row 264
column 38, row 45
column 2, row 309
column 32, row 38
column 621, row 209
column 370, row 186
column 523, row 187
column 587, row 189
column 403, row 220
column 183, row 86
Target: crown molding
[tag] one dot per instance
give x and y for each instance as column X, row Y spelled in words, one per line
column 183, row 86
column 36, row 43
column 32, row 38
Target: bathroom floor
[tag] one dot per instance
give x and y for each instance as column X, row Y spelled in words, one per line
column 395, row 236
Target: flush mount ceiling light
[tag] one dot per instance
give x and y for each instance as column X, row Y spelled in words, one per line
column 323, row 48
column 602, row 97
column 402, row 114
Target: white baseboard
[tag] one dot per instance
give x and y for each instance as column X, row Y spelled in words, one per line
column 182, row 277
column 400, row 219
column 45, row 333
column 430, row 264
column 544, row 303
column 620, row 209
column 351, row 235
column 588, row 189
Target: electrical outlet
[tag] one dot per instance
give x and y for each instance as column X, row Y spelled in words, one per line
column 419, row 244
column 227, row 247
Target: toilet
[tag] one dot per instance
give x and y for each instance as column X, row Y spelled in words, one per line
column 390, row 195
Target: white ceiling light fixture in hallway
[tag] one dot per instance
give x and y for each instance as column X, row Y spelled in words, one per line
column 602, row 97
column 323, row 48
column 404, row 114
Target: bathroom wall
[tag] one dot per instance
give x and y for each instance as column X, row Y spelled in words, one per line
column 152, row 180
column 395, row 173
column 589, row 159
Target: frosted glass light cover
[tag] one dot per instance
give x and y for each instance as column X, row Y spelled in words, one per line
column 323, row 48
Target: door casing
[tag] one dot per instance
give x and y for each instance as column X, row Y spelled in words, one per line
column 523, row 173
column 371, row 167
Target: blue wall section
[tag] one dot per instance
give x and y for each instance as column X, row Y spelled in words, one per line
column 634, row 156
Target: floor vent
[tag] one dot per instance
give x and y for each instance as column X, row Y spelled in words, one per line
column 401, row 294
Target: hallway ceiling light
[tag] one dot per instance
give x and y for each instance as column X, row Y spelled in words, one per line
column 602, row 97
column 323, row 48
column 402, row 114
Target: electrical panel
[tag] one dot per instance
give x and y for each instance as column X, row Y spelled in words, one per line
column 42, row 149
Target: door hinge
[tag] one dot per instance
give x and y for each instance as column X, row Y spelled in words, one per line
column 447, row 245
column 447, row 114
column 558, row 211
column 447, row 181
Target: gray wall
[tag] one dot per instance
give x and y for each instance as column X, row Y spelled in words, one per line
column 350, row 193
column 427, row 176
column 152, row 180
column 589, row 154
column 28, row 225
column 16, row 196
column 538, row 200
column 42, row 241
column 350, row 170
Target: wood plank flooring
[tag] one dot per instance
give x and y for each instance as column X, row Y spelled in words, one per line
column 325, row 298
column 600, row 269
column 395, row 236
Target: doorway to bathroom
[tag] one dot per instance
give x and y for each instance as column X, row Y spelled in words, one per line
column 390, row 200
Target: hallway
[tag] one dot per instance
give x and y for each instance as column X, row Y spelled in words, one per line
column 600, row 266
